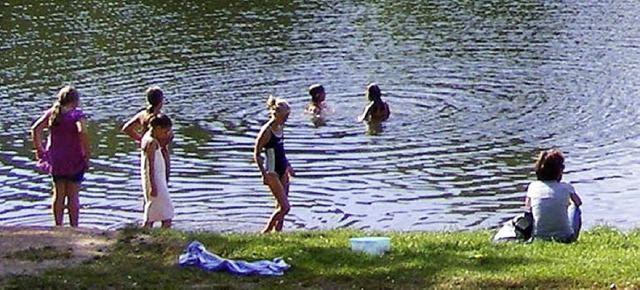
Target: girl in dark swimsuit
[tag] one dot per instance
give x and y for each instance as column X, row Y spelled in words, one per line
column 276, row 170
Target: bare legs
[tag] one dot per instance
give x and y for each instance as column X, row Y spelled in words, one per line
column 166, row 224
column 285, row 185
column 66, row 195
column 280, row 190
column 59, row 194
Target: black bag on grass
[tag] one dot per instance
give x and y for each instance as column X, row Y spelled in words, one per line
column 519, row 228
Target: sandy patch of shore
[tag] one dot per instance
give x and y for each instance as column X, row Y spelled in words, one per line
column 30, row 250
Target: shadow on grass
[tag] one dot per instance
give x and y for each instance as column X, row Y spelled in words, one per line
column 326, row 261
column 318, row 260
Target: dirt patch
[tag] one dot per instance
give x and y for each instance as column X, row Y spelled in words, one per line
column 30, row 250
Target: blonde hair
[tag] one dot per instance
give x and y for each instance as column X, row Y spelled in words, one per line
column 274, row 103
column 66, row 95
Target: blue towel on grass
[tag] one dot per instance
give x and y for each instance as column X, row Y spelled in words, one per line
column 197, row 255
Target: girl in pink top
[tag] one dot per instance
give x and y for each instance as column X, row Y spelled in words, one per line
column 66, row 154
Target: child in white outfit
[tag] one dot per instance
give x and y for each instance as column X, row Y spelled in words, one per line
column 154, row 170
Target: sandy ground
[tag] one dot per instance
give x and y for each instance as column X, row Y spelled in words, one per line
column 19, row 245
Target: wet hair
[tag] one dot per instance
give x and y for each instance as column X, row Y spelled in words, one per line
column 314, row 92
column 373, row 93
column 549, row 165
column 154, row 97
column 275, row 103
column 160, row 121
column 66, row 95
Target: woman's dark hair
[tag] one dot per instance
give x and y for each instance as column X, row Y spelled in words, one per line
column 154, row 98
column 314, row 91
column 66, row 95
column 549, row 165
column 373, row 93
column 161, row 121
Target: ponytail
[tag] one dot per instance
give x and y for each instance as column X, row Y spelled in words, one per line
column 146, row 120
column 54, row 119
column 150, row 109
column 155, row 96
column 66, row 95
column 275, row 103
column 549, row 164
column 272, row 103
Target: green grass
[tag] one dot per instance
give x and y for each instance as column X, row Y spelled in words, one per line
column 323, row 260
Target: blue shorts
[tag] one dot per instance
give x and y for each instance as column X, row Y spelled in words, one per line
column 79, row 177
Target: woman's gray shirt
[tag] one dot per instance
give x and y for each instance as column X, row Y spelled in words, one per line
column 549, row 203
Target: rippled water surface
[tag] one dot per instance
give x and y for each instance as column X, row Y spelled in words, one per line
column 475, row 88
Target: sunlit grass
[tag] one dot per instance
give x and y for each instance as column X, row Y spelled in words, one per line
column 322, row 259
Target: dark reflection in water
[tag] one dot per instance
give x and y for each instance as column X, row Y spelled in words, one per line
column 476, row 88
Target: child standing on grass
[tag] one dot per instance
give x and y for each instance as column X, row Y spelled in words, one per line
column 276, row 170
column 154, row 170
column 66, row 156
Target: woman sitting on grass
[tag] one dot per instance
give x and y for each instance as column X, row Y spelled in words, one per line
column 554, row 218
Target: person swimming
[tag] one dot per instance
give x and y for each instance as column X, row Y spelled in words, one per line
column 318, row 95
column 377, row 110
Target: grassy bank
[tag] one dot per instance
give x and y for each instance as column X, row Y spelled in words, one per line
column 322, row 259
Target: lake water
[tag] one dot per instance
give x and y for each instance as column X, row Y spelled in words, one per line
column 475, row 88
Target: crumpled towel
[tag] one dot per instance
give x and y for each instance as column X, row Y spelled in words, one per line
column 197, row 255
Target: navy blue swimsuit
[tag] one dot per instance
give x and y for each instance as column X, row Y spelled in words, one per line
column 276, row 158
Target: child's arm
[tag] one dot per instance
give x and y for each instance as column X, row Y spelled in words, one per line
column 366, row 112
column 150, row 149
column 131, row 127
column 575, row 198
column 261, row 140
column 166, row 153
column 310, row 108
column 84, row 138
column 314, row 109
column 36, row 133
column 387, row 111
column 167, row 161
column 292, row 172
column 527, row 204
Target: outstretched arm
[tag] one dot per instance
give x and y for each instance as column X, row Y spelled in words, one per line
column 575, row 198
